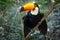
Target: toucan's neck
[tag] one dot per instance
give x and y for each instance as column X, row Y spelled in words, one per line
column 35, row 11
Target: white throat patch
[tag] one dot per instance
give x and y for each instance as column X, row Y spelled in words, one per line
column 35, row 11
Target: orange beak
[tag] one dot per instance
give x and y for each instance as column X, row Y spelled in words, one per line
column 28, row 6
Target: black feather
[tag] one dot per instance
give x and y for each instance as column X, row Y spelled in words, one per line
column 30, row 21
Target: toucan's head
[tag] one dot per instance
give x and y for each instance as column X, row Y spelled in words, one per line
column 33, row 7
column 28, row 6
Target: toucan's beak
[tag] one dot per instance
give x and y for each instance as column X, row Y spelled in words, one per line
column 28, row 6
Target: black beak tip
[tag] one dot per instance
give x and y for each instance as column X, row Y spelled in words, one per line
column 22, row 8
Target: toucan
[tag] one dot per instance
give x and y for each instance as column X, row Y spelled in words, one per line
column 32, row 18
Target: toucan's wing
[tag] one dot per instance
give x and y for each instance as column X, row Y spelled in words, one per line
column 26, row 25
column 26, row 20
column 43, row 26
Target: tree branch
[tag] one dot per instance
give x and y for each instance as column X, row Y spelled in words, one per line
column 39, row 23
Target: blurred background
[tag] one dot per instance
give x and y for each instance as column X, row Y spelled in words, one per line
column 11, row 25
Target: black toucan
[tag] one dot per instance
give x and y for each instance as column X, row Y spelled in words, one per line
column 32, row 18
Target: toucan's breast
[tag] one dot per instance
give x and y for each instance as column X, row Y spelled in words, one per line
column 33, row 19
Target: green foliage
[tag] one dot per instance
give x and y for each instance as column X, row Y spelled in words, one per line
column 6, row 3
column 11, row 18
column 57, row 1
